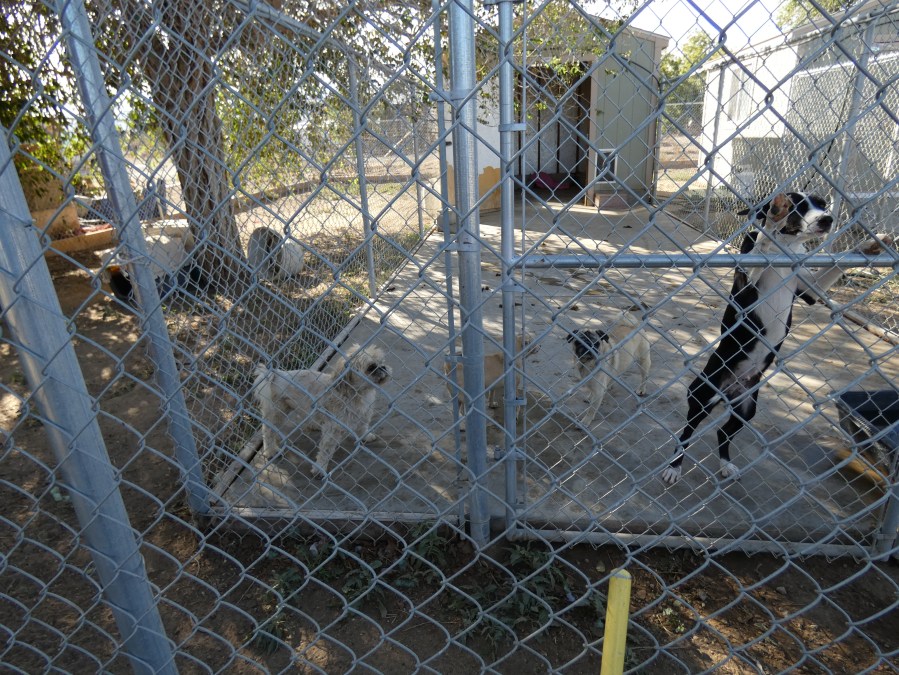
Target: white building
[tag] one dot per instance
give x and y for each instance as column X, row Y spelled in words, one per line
column 817, row 109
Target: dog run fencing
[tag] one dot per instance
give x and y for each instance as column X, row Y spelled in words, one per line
column 451, row 193
column 760, row 120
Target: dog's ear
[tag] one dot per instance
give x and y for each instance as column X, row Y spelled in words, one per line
column 351, row 377
column 779, row 207
column 760, row 212
column 776, row 209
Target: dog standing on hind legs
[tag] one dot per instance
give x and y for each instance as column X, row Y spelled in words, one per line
column 757, row 320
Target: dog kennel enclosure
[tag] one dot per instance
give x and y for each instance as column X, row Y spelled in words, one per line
column 387, row 206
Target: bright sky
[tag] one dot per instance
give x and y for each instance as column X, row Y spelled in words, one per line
column 743, row 21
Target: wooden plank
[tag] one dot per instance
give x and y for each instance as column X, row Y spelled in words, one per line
column 89, row 241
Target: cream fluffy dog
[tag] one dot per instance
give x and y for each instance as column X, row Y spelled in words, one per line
column 600, row 355
column 338, row 402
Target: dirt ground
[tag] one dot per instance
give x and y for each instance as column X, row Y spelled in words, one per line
column 399, row 600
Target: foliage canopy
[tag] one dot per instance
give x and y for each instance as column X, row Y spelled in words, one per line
column 794, row 13
column 37, row 93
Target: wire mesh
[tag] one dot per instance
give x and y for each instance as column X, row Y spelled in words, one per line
column 347, row 227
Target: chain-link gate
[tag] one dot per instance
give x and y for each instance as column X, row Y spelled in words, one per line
column 359, row 336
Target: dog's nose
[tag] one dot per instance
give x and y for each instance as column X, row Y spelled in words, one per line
column 825, row 223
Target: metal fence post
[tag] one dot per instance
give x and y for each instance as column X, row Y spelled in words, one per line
column 98, row 108
column 888, row 537
column 713, row 150
column 416, row 174
column 507, row 130
column 465, row 158
column 363, row 185
column 446, row 226
column 38, row 329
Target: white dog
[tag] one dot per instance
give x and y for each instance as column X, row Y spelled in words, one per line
column 600, row 355
column 338, row 402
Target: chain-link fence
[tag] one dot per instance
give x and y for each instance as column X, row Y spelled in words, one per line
column 360, row 338
column 824, row 95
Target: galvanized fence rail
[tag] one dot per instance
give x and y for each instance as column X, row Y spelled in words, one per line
column 362, row 339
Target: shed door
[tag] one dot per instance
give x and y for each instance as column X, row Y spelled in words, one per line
column 557, row 133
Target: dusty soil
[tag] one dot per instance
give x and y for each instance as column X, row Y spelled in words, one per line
column 399, row 600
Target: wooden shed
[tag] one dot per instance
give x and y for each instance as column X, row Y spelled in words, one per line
column 589, row 127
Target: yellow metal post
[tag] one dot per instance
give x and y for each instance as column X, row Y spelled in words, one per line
column 617, row 613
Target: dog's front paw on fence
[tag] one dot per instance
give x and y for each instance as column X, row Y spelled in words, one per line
column 874, row 246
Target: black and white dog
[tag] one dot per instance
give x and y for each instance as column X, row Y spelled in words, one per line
column 757, row 320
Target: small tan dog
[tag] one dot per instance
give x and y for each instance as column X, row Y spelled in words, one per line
column 600, row 355
column 494, row 368
column 338, row 402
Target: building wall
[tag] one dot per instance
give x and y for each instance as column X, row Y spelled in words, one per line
column 813, row 111
column 743, row 121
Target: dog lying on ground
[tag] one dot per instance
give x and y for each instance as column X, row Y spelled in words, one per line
column 175, row 270
column 338, row 402
column 494, row 368
column 601, row 355
column 757, row 320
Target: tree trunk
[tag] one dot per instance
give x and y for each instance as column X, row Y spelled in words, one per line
column 177, row 55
